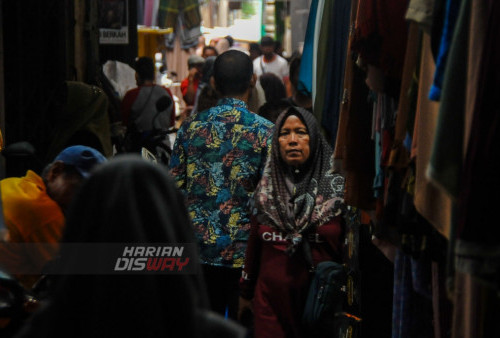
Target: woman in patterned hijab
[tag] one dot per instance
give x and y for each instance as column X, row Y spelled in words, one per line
column 299, row 197
column 294, row 198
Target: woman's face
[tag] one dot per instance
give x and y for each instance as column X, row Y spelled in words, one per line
column 294, row 141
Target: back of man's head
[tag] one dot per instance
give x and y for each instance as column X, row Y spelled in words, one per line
column 267, row 41
column 233, row 72
column 254, row 47
column 145, row 68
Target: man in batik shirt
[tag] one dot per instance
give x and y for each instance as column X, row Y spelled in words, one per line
column 217, row 162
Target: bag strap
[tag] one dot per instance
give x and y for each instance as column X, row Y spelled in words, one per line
column 262, row 66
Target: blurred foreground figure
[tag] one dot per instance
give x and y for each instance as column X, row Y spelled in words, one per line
column 128, row 200
column 34, row 208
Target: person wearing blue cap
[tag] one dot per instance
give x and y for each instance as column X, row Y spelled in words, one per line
column 34, row 208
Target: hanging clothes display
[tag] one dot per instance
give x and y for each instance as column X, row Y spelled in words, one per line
column 148, row 12
column 327, row 109
column 188, row 37
column 470, row 295
column 478, row 252
column 451, row 14
column 306, row 71
column 381, row 33
column 169, row 10
column 354, row 134
column 431, row 202
column 410, row 318
column 399, row 158
column 140, row 12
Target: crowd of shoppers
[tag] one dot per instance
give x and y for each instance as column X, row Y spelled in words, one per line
column 245, row 190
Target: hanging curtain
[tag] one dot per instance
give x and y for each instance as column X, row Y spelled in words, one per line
column 329, row 107
column 306, row 65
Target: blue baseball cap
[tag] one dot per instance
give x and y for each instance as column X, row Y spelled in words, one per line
column 82, row 158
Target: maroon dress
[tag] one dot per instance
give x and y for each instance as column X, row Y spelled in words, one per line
column 278, row 282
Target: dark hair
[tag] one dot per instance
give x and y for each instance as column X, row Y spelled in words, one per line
column 209, row 48
column 145, row 68
column 267, row 41
column 230, row 39
column 110, row 297
column 68, row 171
column 274, row 89
column 233, row 72
column 208, row 69
column 272, row 109
column 208, row 98
column 278, row 47
column 294, row 70
column 254, row 46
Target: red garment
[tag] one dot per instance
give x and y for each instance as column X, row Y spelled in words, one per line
column 129, row 99
column 185, row 83
column 278, row 282
column 381, row 33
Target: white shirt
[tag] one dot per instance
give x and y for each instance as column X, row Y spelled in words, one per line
column 278, row 66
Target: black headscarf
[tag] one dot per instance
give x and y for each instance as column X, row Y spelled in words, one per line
column 128, row 200
column 318, row 193
column 208, row 69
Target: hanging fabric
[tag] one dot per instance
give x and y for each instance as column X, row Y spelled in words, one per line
column 306, row 65
column 478, row 251
column 354, row 134
column 148, row 12
column 380, row 35
column 169, row 10
column 452, row 7
column 140, row 12
column 336, row 39
column 188, row 37
column 430, row 202
column 316, row 45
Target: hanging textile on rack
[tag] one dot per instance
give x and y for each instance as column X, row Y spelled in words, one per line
column 330, row 82
column 400, row 155
column 478, row 252
column 354, row 134
column 430, row 202
column 448, row 150
column 185, row 18
column 148, row 12
column 171, row 9
column 381, row 33
column 306, row 65
column 412, row 312
column 140, row 12
column 188, row 37
column 452, row 7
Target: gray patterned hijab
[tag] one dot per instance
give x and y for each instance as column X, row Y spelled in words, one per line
column 295, row 200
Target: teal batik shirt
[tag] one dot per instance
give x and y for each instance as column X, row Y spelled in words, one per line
column 217, row 161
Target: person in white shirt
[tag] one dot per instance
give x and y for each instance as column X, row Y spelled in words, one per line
column 269, row 61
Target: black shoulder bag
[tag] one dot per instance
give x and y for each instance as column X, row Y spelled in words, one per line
column 323, row 311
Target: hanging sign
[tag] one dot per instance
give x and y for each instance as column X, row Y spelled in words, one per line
column 113, row 22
